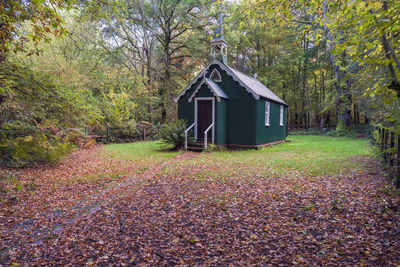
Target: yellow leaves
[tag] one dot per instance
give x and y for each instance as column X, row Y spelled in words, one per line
column 361, row 5
column 28, row 138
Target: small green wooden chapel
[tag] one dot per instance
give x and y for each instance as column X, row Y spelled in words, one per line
column 228, row 107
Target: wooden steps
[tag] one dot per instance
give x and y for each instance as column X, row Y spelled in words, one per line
column 197, row 146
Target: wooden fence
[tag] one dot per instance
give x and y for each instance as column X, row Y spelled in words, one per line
column 141, row 132
column 390, row 149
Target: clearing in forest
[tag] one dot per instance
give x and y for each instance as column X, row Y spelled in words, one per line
column 312, row 201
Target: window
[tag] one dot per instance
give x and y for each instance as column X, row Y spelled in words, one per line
column 281, row 117
column 215, row 76
column 267, row 106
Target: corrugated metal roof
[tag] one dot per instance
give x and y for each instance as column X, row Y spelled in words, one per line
column 256, row 86
column 217, row 90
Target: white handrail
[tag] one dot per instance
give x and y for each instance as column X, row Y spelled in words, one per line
column 205, row 135
column 186, row 131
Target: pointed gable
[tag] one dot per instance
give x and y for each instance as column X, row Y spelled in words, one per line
column 250, row 84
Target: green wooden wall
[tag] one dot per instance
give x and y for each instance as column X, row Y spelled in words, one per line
column 221, row 122
column 186, row 111
column 274, row 132
column 240, row 112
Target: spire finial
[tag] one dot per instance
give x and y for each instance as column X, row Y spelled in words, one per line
column 218, row 43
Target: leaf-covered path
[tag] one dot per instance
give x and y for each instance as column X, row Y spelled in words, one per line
column 210, row 208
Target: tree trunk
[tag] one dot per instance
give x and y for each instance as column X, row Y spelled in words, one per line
column 303, row 99
column 166, row 81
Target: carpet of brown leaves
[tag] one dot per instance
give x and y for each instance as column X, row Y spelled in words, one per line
column 95, row 210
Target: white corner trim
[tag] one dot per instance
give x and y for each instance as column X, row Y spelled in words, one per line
column 227, row 70
column 195, row 115
column 198, row 88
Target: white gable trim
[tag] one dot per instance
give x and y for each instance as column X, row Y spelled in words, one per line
column 201, row 74
column 198, row 88
column 227, row 70
column 234, row 77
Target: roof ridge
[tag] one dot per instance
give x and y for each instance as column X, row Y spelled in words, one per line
column 247, row 75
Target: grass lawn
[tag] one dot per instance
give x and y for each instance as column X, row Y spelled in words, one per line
column 141, row 151
column 312, row 201
column 310, row 155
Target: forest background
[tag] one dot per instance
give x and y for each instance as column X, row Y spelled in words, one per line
column 69, row 65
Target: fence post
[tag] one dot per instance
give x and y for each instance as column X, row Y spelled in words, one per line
column 397, row 177
column 385, row 139
column 390, row 153
column 379, row 135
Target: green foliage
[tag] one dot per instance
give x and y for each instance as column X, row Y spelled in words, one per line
column 33, row 97
column 118, row 107
column 41, row 15
column 361, row 130
column 342, row 127
column 306, row 132
column 27, row 150
column 16, row 129
column 174, row 134
column 75, row 137
column 340, row 133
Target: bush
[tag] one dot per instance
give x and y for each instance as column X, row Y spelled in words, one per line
column 312, row 131
column 173, row 134
column 17, row 129
column 75, row 137
column 27, row 150
column 341, row 133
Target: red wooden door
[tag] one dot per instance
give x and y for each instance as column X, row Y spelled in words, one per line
column 204, row 118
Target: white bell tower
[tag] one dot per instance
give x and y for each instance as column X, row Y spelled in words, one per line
column 219, row 46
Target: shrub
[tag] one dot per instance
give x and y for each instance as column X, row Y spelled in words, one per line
column 17, row 129
column 312, row 131
column 89, row 144
column 174, row 134
column 76, row 137
column 27, row 150
column 341, row 133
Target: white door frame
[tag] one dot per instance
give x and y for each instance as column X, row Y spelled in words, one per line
column 195, row 115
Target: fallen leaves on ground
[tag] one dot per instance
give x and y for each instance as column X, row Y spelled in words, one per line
column 92, row 209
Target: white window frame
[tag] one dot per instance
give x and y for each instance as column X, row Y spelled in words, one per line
column 267, row 112
column 281, row 116
column 218, row 74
